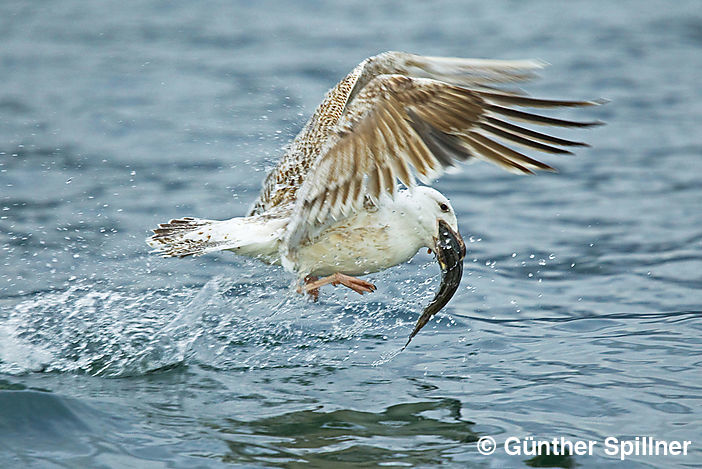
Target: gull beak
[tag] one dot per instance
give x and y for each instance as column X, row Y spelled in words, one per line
column 450, row 251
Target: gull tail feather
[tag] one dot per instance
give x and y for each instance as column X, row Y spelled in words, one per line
column 252, row 236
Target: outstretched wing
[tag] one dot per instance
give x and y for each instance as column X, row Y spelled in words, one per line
column 398, row 127
column 283, row 182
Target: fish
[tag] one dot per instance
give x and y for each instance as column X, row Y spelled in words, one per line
column 450, row 252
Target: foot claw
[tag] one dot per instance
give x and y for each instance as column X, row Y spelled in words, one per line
column 310, row 287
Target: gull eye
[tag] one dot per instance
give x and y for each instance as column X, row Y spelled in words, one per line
column 443, row 207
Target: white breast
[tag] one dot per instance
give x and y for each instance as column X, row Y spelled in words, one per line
column 367, row 242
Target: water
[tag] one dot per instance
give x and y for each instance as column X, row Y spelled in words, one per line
column 580, row 310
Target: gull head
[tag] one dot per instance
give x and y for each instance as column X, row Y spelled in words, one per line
column 437, row 216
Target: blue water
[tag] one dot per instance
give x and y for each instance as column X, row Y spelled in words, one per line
column 579, row 314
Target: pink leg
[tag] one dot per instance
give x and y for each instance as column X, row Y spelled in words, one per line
column 355, row 284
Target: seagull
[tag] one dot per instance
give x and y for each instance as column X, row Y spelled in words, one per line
column 344, row 200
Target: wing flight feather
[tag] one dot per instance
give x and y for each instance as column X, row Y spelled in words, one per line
column 283, row 182
column 399, row 127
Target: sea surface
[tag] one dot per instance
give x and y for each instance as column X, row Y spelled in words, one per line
column 579, row 314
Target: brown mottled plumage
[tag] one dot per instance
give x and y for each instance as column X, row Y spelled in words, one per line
column 395, row 117
column 284, row 181
column 398, row 115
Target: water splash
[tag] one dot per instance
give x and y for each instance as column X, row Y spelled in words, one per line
column 225, row 324
column 95, row 332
